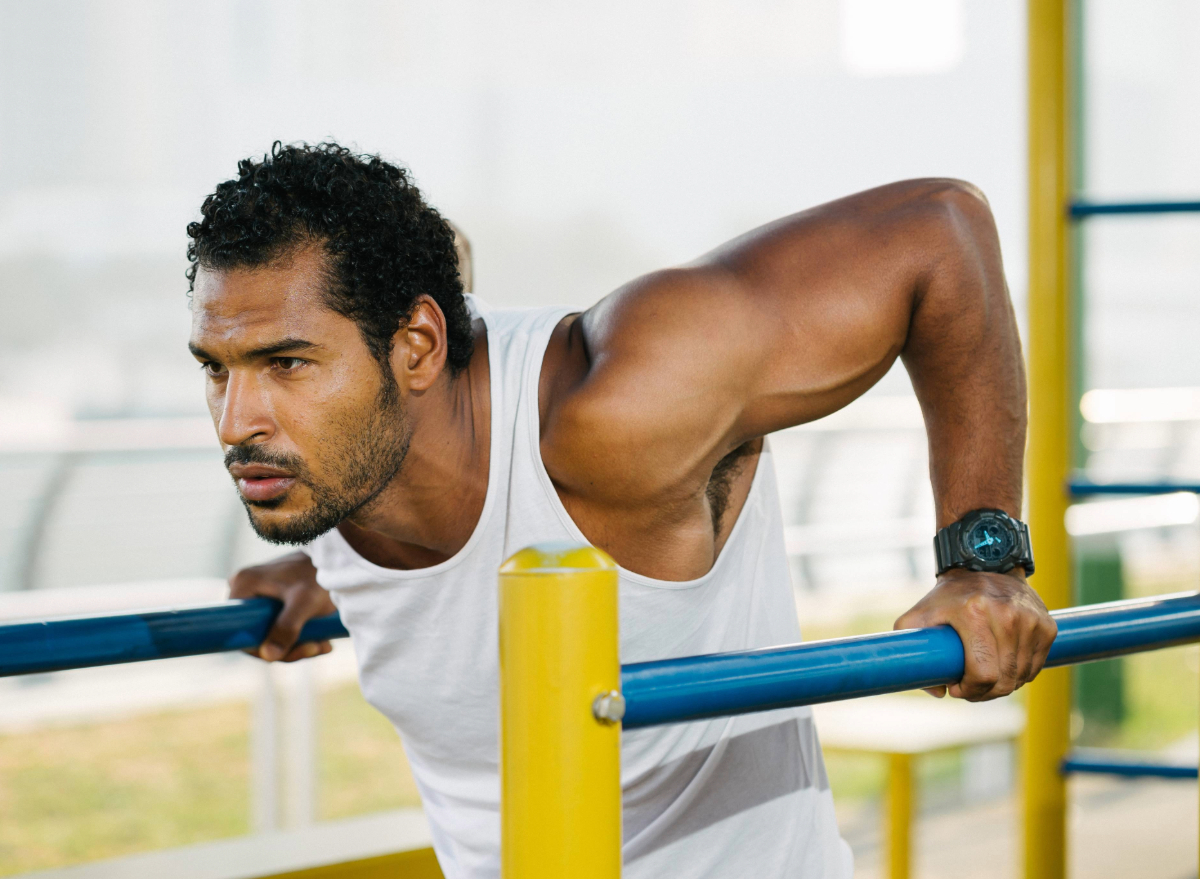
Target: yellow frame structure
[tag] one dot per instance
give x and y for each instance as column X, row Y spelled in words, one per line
column 1047, row 735
column 560, row 766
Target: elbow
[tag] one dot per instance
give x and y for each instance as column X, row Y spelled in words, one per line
column 966, row 242
column 963, row 211
column 953, row 218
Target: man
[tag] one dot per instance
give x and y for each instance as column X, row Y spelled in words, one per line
column 410, row 439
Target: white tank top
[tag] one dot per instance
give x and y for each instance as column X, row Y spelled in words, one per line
column 732, row 797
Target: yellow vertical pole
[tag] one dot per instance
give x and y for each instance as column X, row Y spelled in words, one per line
column 899, row 815
column 560, row 771
column 1049, row 697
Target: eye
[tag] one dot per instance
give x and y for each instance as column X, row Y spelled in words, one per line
column 212, row 369
column 287, row 364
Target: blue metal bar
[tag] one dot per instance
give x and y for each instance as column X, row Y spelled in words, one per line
column 1090, row 209
column 695, row 687
column 78, row 642
column 1080, row 486
column 667, row 691
column 1107, row 762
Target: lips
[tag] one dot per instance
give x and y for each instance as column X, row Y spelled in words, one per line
column 258, row 482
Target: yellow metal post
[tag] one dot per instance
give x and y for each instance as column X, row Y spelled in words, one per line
column 560, row 771
column 1049, row 697
column 899, row 815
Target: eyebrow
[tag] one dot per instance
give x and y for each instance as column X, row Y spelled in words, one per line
column 283, row 345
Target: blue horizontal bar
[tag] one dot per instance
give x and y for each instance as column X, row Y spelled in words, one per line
column 1107, row 762
column 1091, row 209
column 721, row 684
column 79, row 642
column 1082, row 487
column 666, row 691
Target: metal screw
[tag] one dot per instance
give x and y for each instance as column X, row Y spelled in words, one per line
column 609, row 707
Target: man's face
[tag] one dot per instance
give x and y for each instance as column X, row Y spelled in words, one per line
column 312, row 426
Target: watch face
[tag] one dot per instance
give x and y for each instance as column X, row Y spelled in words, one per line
column 989, row 539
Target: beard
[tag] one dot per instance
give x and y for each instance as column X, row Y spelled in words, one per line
column 363, row 457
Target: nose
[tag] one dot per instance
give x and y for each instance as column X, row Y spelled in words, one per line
column 245, row 412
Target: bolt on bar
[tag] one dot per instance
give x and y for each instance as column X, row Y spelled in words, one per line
column 1090, row 209
column 718, row 685
column 79, row 642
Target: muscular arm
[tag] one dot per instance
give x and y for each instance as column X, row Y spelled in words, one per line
column 794, row 320
column 790, row 323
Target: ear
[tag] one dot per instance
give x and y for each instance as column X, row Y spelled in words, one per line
column 419, row 348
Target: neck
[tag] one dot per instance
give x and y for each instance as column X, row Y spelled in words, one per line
column 429, row 510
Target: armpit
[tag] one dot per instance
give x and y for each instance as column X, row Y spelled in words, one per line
column 721, row 483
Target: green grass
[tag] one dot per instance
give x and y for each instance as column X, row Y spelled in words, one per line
column 1162, row 701
column 362, row 767
column 1162, row 688
column 103, row 790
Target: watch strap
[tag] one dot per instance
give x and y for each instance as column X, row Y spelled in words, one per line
column 945, row 548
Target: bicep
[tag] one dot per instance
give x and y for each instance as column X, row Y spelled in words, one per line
column 783, row 325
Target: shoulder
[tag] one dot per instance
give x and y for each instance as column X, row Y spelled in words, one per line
column 637, row 400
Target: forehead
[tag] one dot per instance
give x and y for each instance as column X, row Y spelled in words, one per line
column 238, row 307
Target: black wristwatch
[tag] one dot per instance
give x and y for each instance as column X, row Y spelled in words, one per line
column 984, row 540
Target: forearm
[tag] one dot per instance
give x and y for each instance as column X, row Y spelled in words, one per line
column 963, row 353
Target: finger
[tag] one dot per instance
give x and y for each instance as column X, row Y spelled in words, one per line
column 1007, row 628
column 1029, row 646
column 307, row 650
column 286, row 629
column 1022, row 661
column 247, row 583
column 936, row 692
column 1046, row 632
column 981, row 666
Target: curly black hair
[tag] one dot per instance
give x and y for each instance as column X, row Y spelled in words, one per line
column 385, row 245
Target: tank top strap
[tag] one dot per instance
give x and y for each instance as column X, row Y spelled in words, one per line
column 517, row 340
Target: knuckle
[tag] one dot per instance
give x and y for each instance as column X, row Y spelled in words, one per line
column 985, row 678
column 977, row 603
column 976, row 694
column 1032, row 627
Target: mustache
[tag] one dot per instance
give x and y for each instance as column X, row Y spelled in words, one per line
column 256, row 454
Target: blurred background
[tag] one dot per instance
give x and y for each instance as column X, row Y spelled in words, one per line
column 577, row 146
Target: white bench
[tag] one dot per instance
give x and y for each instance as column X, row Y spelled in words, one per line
column 903, row 727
